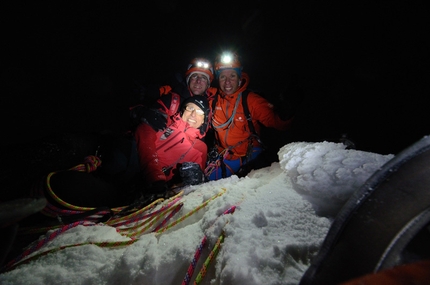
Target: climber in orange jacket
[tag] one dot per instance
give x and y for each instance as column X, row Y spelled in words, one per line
column 237, row 144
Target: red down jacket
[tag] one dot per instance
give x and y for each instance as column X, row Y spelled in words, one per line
column 164, row 150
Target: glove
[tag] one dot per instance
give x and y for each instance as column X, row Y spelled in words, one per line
column 290, row 101
column 156, row 119
column 191, row 174
column 213, row 155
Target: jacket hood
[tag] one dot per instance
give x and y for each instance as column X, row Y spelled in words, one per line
column 244, row 82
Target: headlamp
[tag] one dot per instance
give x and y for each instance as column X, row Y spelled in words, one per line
column 226, row 58
column 202, row 64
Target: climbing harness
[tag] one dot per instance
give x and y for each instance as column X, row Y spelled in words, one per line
column 215, row 159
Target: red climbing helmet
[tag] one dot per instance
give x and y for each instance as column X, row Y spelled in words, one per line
column 201, row 66
column 228, row 60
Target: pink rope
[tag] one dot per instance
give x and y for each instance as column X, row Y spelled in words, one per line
column 41, row 243
column 174, row 211
column 140, row 217
column 193, row 264
column 197, row 254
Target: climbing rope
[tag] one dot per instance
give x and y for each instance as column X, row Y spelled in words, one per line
column 199, row 250
column 132, row 225
column 24, row 256
column 91, row 163
column 211, row 256
column 190, row 213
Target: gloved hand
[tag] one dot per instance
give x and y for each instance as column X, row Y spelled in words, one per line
column 289, row 102
column 191, row 174
column 213, row 154
column 140, row 113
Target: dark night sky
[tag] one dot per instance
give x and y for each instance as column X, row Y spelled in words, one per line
column 364, row 68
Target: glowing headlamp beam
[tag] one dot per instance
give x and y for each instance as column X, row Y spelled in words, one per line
column 226, row 58
column 203, row 64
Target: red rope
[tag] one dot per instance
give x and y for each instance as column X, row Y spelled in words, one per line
column 41, row 243
column 174, row 211
column 196, row 257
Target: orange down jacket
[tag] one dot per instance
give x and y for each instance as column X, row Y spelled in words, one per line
column 231, row 126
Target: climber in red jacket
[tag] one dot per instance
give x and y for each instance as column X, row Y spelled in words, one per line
column 162, row 151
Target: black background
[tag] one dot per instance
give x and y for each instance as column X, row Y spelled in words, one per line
column 364, row 67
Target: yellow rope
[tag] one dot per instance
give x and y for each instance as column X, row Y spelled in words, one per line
column 86, row 168
column 148, row 207
column 191, row 212
column 151, row 223
column 151, row 220
column 81, row 168
column 211, row 256
column 137, row 224
column 100, row 244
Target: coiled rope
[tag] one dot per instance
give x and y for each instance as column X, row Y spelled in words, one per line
column 117, row 223
column 91, row 163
